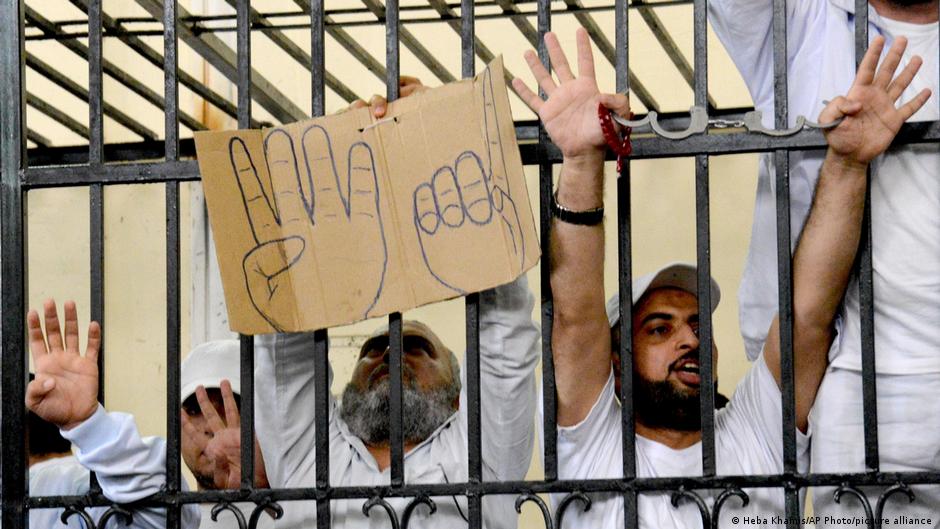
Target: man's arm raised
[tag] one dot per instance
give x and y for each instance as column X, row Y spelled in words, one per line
column 580, row 334
column 823, row 260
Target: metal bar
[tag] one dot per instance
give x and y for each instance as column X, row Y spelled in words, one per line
column 171, row 124
column 866, row 284
column 703, row 246
column 656, row 26
column 345, row 40
column 785, row 263
column 95, row 88
column 321, row 344
column 298, row 54
column 393, row 73
column 614, row 485
column 61, row 117
column 13, row 276
column 70, row 86
column 549, row 418
column 529, row 32
column 625, row 274
column 117, row 173
column 222, row 58
column 109, row 68
column 244, row 71
column 38, row 138
column 317, row 59
column 467, row 28
column 113, row 27
column 607, row 50
column 410, row 41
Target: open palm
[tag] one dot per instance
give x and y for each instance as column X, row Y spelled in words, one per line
column 871, row 118
column 569, row 114
column 65, row 391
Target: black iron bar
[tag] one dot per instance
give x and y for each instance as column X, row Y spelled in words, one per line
column 625, row 279
column 785, row 262
column 57, row 115
column 37, row 138
column 347, row 41
column 13, row 276
column 866, row 284
column 549, row 419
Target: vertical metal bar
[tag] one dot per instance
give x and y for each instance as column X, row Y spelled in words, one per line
column 392, row 74
column 321, row 337
column 13, row 280
column 173, row 346
column 784, row 262
column 866, row 285
column 247, row 376
column 703, row 247
column 322, row 419
column 243, row 43
column 474, row 446
column 549, row 420
column 625, row 267
column 95, row 93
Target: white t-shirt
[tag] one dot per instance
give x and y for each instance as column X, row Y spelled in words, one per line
column 905, row 189
column 748, row 441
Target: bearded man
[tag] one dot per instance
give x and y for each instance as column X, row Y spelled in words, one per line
column 435, row 416
column 665, row 317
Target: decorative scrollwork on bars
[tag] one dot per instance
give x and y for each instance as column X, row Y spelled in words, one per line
column 899, row 488
column 79, row 511
column 565, row 503
column 730, row 492
column 423, row 499
column 546, row 514
column 227, row 506
column 851, row 490
column 115, row 511
column 380, row 502
column 683, row 492
column 265, row 506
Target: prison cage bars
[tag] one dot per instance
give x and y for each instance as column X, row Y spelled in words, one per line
column 94, row 167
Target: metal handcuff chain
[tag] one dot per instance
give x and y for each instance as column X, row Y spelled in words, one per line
column 700, row 123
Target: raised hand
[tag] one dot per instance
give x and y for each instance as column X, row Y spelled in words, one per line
column 871, row 118
column 569, row 113
column 301, row 204
column 465, row 199
column 65, row 390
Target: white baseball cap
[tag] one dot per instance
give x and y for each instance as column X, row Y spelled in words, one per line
column 208, row 364
column 683, row 276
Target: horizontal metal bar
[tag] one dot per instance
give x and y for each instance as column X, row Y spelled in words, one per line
column 110, row 173
column 508, row 487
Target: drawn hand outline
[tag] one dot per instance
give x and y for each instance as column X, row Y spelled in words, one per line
column 295, row 208
column 472, row 189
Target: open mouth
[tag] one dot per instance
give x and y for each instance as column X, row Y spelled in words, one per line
column 688, row 370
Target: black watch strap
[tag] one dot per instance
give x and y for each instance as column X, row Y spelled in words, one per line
column 590, row 217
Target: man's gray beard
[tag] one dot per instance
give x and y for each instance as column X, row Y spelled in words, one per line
column 367, row 413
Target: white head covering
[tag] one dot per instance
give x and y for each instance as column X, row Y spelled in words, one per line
column 208, row 364
column 683, row 276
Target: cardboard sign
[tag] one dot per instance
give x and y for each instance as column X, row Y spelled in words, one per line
column 333, row 220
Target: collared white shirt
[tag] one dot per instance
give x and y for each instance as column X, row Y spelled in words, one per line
column 509, row 352
column 905, row 191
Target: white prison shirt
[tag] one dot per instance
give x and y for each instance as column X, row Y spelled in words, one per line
column 748, row 441
column 509, row 353
column 905, row 191
column 128, row 467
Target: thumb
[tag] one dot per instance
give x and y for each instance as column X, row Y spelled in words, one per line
column 616, row 103
column 37, row 390
column 839, row 107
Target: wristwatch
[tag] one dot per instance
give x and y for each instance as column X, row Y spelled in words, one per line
column 589, row 217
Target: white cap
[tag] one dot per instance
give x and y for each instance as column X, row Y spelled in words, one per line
column 683, row 276
column 208, row 364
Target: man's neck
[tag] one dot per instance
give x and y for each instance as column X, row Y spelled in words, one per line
column 383, row 453
column 925, row 13
column 675, row 439
column 39, row 458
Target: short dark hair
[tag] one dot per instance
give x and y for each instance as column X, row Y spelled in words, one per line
column 43, row 436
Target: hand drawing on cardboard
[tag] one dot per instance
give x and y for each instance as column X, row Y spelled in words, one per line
column 465, row 197
column 336, row 219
